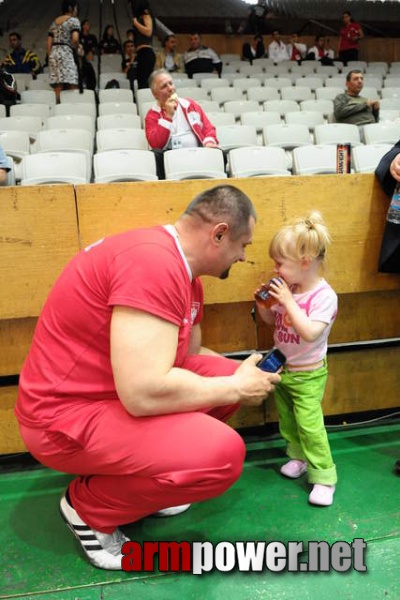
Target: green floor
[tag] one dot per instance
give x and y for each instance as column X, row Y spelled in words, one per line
column 40, row 559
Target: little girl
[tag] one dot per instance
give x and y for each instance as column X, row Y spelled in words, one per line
column 304, row 309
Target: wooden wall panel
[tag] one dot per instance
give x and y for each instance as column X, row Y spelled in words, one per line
column 10, row 440
column 38, row 235
column 15, row 340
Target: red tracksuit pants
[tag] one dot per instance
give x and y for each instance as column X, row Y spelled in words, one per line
column 130, row 467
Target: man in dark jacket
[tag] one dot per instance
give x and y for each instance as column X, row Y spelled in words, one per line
column 20, row 60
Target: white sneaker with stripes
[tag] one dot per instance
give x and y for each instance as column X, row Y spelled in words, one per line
column 102, row 549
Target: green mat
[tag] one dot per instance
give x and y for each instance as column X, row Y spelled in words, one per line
column 40, row 557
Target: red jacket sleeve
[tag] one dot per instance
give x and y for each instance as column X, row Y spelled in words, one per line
column 157, row 129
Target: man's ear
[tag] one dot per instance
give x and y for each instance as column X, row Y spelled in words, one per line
column 219, row 232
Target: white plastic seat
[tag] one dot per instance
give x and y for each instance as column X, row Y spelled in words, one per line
column 11, row 177
column 236, row 136
column 278, row 82
column 76, row 108
column 328, row 93
column 194, row 163
column 311, row 118
column 79, row 141
column 314, row 160
column 22, row 80
column 238, row 107
column 121, row 139
column 365, row 159
column 389, row 104
column 374, row 81
column 257, row 161
column 196, row 94
column 118, row 121
column 356, row 64
column 281, row 106
column 144, row 108
column 31, row 125
column 124, row 165
column 254, row 70
column 370, row 92
column 391, row 92
column 3, row 110
column 297, row 93
column 287, row 136
column 210, row 83
column 226, row 94
column 338, row 81
column 311, row 81
column 144, row 95
column 327, row 70
column 260, row 118
column 323, row 106
column 54, row 167
column 83, row 122
column 278, row 70
column 32, row 110
column 221, row 118
column 38, row 97
column 377, row 66
column 180, row 80
column 115, row 95
column 262, row 94
column 199, row 76
column 111, row 61
column 381, row 133
column 391, row 81
column 117, row 108
column 389, row 115
column 209, row 105
column 337, row 133
column 306, row 68
column 246, row 83
column 76, row 97
column 39, row 84
column 228, row 57
column 16, row 145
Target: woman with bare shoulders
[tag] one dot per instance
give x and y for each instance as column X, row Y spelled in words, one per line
column 62, row 40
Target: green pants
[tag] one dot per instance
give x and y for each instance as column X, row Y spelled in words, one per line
column 301, row 422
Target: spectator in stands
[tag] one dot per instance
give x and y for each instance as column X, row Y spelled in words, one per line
column 109, row 43
column 349, row 36
column 129, row 61
column 254, row 49
column 256, row 19
column 8, row 90
column 320, row 51
column 20, row 60
column 201, row 59
column 277, row 50
column 295, row 49
column 88, row 40
column 351, row 107
column 143, row 25
column 117, row 388
column 62, row 42
column 175, row 122
column 168, row 58
column 4, row 167
column 388, row 174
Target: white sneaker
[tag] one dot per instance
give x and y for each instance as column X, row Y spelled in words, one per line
column 294, row 468
column 102, row 549
column 172, row 511
column 322, row 495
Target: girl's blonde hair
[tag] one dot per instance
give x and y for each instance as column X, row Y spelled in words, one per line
column 305, row 238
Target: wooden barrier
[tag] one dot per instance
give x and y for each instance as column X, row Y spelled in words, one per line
column 39, row 233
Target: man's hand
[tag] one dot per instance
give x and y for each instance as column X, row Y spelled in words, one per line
column 170, row 105
column 253, row 384
column 210, row 144
column 395, row 168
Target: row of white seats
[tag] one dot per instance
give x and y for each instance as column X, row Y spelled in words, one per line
column 193, row 163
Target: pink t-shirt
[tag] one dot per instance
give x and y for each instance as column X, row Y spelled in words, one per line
column 69, row 359
column 320, row 304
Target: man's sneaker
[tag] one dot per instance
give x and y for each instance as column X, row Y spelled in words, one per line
column 172, row 511
column 322, row 495
column 294, row 468
column 102, row 549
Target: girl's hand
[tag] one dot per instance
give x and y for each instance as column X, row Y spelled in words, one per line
column 279, row 290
